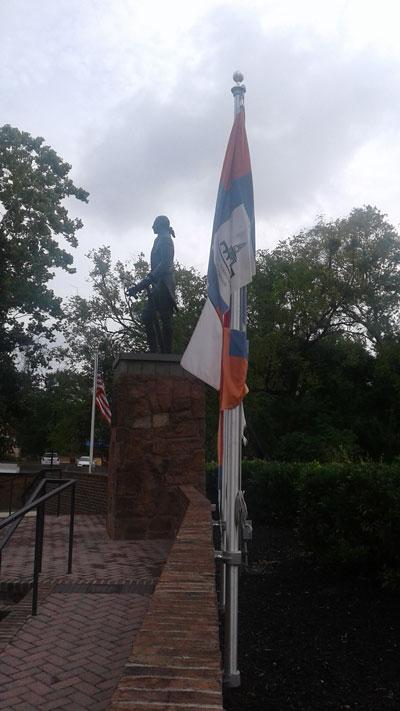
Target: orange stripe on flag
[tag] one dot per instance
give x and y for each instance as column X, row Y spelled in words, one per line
column 234, row 373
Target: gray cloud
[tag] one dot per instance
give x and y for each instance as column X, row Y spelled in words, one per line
column 146, row 126
column 310, row 106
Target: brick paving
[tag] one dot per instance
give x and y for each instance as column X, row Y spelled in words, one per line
column 95, row 555
column 72, row 654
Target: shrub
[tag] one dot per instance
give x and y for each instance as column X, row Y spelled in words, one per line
column 349, row 515
column 270, row 491
column 346, row 514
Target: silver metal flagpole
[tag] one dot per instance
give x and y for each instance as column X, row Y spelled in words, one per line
column 96, row 359
column 231, row 471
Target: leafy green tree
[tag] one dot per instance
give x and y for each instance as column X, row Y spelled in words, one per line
column 381, row 438
column 322, row 307
column 339, row 277
column 56, row 415
column 33, row 185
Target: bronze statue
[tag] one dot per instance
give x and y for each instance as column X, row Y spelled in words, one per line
column 160, row 286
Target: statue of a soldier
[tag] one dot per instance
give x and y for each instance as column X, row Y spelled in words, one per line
column 160, row 286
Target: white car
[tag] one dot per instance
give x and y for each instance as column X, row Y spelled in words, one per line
column 48, row 457
column 84, row 462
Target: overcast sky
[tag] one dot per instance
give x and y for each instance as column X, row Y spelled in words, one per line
column 135, row 94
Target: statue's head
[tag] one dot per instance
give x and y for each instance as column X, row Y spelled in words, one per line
column 161, row 224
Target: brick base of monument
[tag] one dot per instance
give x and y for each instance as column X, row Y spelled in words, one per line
column 157, row 444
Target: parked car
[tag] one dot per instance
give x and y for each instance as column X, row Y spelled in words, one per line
column 9, row 468
column 84, row 461
column 50, row 457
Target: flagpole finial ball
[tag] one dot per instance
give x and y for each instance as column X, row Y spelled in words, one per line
column 238, row 77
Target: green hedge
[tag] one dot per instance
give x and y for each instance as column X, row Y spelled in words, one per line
column 270, row 490
column 348, row 515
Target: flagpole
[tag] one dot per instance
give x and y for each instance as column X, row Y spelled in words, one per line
column 96, row 358
column 231, row 473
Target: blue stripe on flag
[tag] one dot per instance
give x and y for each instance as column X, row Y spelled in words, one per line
column 213, row 289
column 240, row 193
column 238, row 345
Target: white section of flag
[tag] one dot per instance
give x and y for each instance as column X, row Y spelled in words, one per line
column 202, row 357
column 233, row 253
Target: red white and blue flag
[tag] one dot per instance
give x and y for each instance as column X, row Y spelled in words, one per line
column 217, row 353
column 101, row 400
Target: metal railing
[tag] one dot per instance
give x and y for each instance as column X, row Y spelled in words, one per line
column 12, row 477
column 38, row 502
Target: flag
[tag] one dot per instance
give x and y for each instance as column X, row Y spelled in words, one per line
column 217, row 353
column 101, row 400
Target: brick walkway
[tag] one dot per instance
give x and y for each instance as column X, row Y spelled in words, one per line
column 71, row 656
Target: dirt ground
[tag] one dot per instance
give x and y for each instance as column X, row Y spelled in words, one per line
column 309, row 641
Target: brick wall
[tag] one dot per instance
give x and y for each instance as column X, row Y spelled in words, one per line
column 90, row 494
column 175, row 660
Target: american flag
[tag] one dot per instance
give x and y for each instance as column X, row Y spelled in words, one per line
column 101, row 400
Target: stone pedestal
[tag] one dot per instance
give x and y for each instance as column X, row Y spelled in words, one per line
column 157, row 444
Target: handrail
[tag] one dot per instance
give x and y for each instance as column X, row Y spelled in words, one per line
column 12, row 476
column 38, row 476
column 18, row 520
column 30, row 499
column 33, row 504
column 39, row 505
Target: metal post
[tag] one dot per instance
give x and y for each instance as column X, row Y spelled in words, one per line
column 10, row 497
column 232, row 455
column 96, row 358
column 71, row 528
column 40, row 515
column 37, row 563
column 58, row 496
column 222, row 517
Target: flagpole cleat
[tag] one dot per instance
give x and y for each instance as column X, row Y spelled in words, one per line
column 229, row 557
column 232, row 679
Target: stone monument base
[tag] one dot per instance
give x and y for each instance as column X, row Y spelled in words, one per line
column 157, row 444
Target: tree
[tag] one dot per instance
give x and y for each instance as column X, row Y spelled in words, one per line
column 33, row 184
column 339, row 277
column 57, row 415
column 320, row 301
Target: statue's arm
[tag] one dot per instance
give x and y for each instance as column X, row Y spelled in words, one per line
column 164, row 266
column 137, row 288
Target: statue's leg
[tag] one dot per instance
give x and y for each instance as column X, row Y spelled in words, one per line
column 148, row 317
column 167, row 333
column 165, row 309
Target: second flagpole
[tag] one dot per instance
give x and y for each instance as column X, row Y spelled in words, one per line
column 96, row 360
